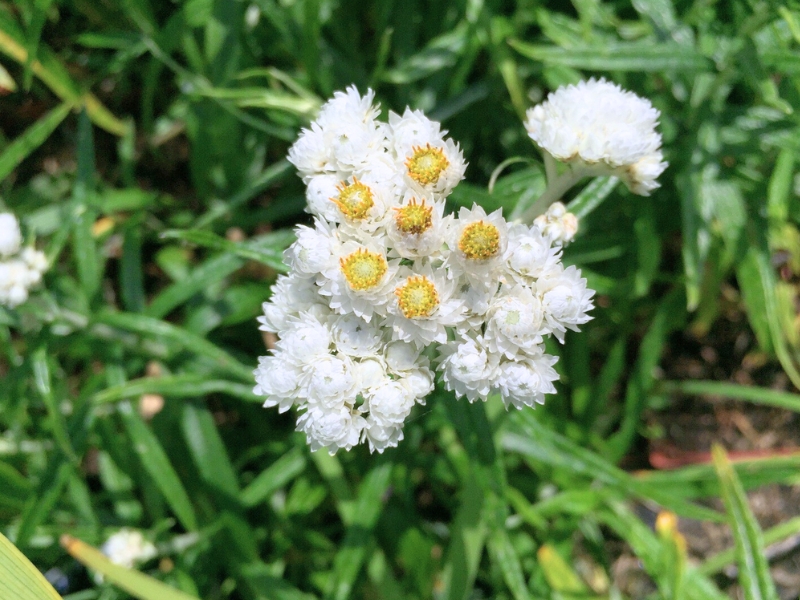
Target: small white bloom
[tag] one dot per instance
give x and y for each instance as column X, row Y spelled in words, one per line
column 423, row 306
column 401, row 356
column 524, row 382
column 311, row 153
column 599, row 126
column 418, row 227
column 313, row 249
column 332, row 429
column 319, row 191
column 278, row 378
column 565, row 300
column 10, row 235
column 514, row 322
column 389, row 405
column 127, row 547
column 530, row 254
column 355, row 337
column 305, row 339
column 557, row 224
column 371, row 374
column 15, row 279
column 331, row 381
column 360, row 281
column 432, row 163
column 291, row 295
column 468, row 367
column 478, row 244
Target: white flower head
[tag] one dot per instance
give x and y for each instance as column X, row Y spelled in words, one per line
column 478, row 244
column 514, row 322
column 423, row 306
column 432, row 163
column 332, row 429
column 418, row 227
column 278, row 378
column 362, row 204
column 311, row 154
column 524, row 382
column 15, row 280
column 361, row 282
column 530, row 254
column 10, row 235
column 319, row 191
column 599, row 125
column 355, row 337
column 127, row 547
column 331, row 381
column 305, row 339
column 468, row 367
column 291, row 295
column 313, row 249
column 557, row 224
column 565, row 300
column 401, row 356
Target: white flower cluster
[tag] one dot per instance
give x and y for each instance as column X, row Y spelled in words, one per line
column 558, row 224
column 598, row 126
column 127, row 547
column 20, row 268
column 385, row 281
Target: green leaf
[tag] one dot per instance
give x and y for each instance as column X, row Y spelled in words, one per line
column 186, row 385
column 31, row 139
column 208, row 450
column 756, row 395
column 558, row 573
column 266, row 249
column 592, row 196
column 135, row 583
column 277, row 475
column 154, row 460
column 19, row 579
column 538, row 442
column 632, row 56
column 348, row 561
column 754, row 575
column 467, row 538
column 441, row 53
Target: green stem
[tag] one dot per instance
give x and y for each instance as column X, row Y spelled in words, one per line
column 556, row 188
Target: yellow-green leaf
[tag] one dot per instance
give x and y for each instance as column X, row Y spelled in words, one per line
column 19, row 579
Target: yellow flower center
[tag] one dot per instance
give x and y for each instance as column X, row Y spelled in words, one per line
column 354, row 200
column 414, row 218
column 426, row 164
column 479, row 240
column 417, row 298
column 363, row 269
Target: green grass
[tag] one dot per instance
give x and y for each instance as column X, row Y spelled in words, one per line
column 146, row 138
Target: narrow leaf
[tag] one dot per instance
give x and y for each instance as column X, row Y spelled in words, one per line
column 19, row 579
column 31, row 139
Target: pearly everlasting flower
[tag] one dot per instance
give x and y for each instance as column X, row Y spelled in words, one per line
column 557, row 224
column 10, row 235
column 599, row 126
column 385, row 288
column 127, row 547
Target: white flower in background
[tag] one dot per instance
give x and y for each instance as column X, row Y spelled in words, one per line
column 127, row 547
column 385, row 282
column 10, row 235
column 557, row 224
column 598, row 125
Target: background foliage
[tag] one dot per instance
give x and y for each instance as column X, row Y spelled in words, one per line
column 143, row 147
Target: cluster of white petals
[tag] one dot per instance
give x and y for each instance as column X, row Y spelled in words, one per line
column 128, row 547
column 598, row 126
column 558, row 224
column 386, row 287
column 20, row 268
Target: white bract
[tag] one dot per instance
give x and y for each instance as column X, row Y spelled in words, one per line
column 384, row 281
column 128, row 547
column 597, row 126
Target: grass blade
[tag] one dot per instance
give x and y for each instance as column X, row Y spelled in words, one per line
column 756, row 395
column 135, row 583
column 19, row 579
column 754, row 575
column 31, row 138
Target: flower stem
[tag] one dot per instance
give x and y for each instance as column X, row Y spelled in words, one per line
column 555, row 190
